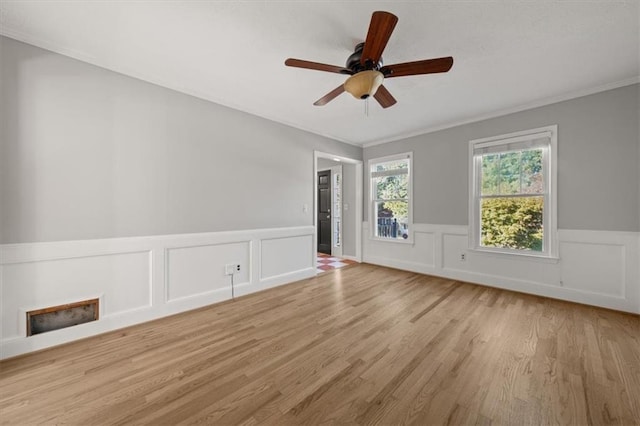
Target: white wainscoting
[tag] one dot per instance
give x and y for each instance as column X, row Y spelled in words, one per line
column 142, row 278
column 600, row 268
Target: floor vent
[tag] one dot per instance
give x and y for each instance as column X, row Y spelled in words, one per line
column 62, row 316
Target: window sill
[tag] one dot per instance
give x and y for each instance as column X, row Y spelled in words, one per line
column 390, row 240
column 522, row 256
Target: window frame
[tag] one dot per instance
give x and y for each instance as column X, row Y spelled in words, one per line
column 372, row 200
column 550, row 173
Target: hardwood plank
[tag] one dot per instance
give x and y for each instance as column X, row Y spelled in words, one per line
column 360, row 345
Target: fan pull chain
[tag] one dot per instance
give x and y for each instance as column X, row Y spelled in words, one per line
column 366, row 107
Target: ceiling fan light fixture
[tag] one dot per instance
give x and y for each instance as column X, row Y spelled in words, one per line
column 365, row 65
column 364, row 84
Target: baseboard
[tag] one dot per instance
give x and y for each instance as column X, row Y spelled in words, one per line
column 354, row 258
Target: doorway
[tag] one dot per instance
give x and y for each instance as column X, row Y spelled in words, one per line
column 337, row 219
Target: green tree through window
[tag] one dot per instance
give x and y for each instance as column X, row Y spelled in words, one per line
column 511, row 205
column 390, row 196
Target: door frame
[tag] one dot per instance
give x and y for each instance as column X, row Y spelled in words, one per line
column 359, row 202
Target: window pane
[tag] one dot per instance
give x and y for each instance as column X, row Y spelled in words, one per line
column 490, row 174
column 509, row 173
column 390, row 184
column 392, row 219
column 514, row 223
column 391, row 187
column 532, row 180
column 517, row 172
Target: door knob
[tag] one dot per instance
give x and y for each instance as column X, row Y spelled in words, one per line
column 328, row 216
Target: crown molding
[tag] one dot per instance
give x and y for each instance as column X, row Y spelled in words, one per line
column 507, row 111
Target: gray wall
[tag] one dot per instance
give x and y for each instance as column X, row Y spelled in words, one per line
column 598, row 164
column 89, row 153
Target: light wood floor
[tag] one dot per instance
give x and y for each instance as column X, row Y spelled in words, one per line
column 359, row 345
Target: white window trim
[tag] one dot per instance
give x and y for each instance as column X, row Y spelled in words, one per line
column 372, row 226
column 550, row 213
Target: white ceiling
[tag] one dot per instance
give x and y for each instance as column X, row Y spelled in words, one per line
column 508, row 55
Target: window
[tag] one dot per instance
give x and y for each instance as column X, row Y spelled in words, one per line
column 391, row 209
column 513, row 193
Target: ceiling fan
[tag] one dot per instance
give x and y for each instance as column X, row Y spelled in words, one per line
column 365, row 66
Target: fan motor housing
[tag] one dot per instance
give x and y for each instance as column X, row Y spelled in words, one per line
column 353, row 61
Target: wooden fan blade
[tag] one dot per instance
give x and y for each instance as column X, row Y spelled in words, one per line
column 330, row 96
column 428, row 66
column 380, row 29
column 299, row 63
column 384, row 98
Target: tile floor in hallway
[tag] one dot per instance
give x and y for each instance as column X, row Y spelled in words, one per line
column 326, row 262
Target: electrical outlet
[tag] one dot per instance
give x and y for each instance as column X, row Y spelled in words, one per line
column 231, row 268
column 463, row 257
